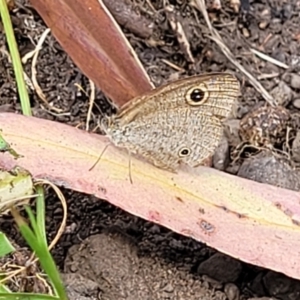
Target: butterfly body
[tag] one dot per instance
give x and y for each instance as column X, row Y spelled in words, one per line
column 180, row 122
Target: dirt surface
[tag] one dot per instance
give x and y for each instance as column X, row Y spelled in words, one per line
column 110, row 254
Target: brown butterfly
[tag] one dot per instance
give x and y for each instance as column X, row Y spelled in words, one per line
column 181, row 122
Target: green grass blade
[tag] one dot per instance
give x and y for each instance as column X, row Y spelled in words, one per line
column 4, row 289
column 5, row 246
column 40, row 213
column 16, row 60
column 26, row 296
column 38, row 244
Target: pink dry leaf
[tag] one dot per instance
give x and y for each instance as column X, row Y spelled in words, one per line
column 254, row 222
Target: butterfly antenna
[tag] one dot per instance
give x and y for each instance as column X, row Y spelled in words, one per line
column 99, row 157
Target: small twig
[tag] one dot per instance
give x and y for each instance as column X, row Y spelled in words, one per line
column 269, row 59
column 63, row 201
column 179, row 31
column 41, row 278
column 91, row 104
column 151, row 6
column 267, row 76
column 28, row 81
column 35, row 54
column 172, row 65
column 215, row 36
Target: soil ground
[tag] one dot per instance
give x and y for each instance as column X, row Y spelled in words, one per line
column 122, row 256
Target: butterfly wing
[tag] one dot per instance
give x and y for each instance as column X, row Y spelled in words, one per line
column 181, row 122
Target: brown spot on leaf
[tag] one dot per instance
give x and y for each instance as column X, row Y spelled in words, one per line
column 288, row 212
column 224, row 208
column 206, row 226
column 201, row 210
column 296, row 222
column 179, row 199
column 102, row 190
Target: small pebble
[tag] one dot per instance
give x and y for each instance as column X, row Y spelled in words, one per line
column 215, row 284
column 281, row 286
column 221, row 156
column 168, row 288
column 295, row 81
column 245, row 32
column 265, row 126
column 296, row 103
column 232, row 292
column 282, row 94
column 256, row 286
column 221, row 267
column 287, row 11
column 296, row 147
column 231, row 131
column 266, row 168
column 279, row 55
column 263, row 24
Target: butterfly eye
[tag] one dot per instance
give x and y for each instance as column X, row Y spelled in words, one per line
column 197, row 95
column 184, row 152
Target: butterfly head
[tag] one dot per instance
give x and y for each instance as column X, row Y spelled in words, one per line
column 113, row 130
